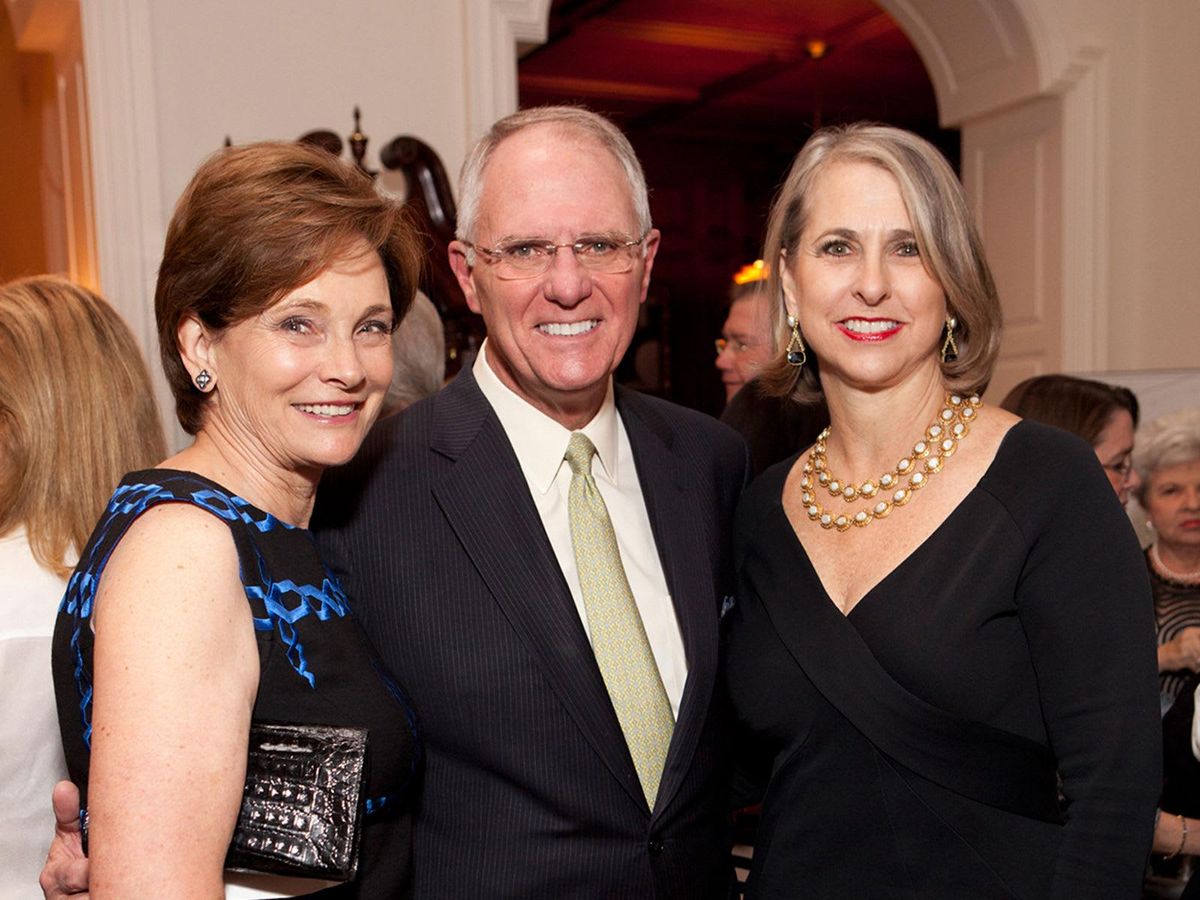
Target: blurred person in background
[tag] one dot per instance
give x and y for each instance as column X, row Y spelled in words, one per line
column 419, row 357
column 1104, row 415
column 76, row 412
column 773, row 428
column 745, row 344
column 1167, row 462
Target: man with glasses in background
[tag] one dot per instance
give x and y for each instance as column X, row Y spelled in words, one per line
column 774, row 428
column 745, row 345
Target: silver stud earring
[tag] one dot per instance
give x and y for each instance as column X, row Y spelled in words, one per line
column 203, row 380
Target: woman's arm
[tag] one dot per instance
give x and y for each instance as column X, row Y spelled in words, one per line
column 1181, row 653
column 1085, row 605
column 1175, row 835
column 176, row 672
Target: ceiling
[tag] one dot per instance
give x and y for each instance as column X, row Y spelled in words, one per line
column 719, row 69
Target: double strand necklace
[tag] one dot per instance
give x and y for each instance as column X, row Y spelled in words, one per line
column 894, row 488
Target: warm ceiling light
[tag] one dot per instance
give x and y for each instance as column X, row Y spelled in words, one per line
column 816, row 48
column 755, row 271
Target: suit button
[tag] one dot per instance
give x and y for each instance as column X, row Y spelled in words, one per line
column 655, row 846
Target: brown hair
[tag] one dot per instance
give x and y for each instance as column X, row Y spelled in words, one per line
column 1077, row 405
column 258, row 221
column 76, row 413
column 949, row 246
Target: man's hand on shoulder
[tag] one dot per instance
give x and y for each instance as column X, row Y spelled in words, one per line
column 66, row 871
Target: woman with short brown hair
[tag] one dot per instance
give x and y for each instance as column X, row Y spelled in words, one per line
column 200, row 605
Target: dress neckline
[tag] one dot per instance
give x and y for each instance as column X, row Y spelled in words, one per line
column 149, row 474
column 794, row 538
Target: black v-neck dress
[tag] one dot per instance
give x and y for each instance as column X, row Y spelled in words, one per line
column 316, row 665
column 913, row 749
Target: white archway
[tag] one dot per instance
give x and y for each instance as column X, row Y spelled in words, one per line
column 1033, row 116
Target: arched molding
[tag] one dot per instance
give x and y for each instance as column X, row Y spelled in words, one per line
column 980, row 54
column 986, row 57
column 494, row 31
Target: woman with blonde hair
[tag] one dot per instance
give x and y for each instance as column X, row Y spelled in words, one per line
column 76, row 413
column 941, row 609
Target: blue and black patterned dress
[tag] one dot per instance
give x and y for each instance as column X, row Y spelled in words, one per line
column 315, row 664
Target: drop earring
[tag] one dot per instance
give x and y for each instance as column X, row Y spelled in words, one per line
column 796, row 355
column 949, row 348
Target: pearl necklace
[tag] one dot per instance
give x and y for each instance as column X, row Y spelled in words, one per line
column 1167, row 572
column 894, row 488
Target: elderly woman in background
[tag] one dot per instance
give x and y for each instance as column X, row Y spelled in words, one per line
column 76, row 413
column 200, row 604
column 920, row 648
column 1168, row 462
column 1104, row 415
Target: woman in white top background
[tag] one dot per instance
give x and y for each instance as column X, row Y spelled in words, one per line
column 76, row 412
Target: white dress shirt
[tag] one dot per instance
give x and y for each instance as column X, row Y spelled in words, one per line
column 31, row 755
column 540, row 443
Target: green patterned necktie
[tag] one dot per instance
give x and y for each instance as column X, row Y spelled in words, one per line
column 618, row 635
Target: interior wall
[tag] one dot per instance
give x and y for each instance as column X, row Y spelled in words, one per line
column 1156, row 186
column 170, row 79
column 274, row 69
column 26, row 87
column 1148, row 127
column 1120, row 79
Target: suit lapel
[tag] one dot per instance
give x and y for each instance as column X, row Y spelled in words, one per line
column 669, row 491
column 504, row 537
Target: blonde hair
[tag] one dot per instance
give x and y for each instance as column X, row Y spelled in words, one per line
column 76, row 412
column 946, row 237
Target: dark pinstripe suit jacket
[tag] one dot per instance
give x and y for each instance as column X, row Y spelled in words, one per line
column 529, row 790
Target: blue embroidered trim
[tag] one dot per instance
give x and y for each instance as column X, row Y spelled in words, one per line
column 285, row 602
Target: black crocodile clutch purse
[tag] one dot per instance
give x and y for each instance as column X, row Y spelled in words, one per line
column 302, row 805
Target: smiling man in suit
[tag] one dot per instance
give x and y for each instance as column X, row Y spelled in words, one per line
column 540, row 556
column 563, row 669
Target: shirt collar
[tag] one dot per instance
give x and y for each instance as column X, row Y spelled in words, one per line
column 540, row 442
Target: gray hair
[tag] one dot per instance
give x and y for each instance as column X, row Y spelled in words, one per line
column 1169, row 441
column 569, row 119
column 419, row 348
